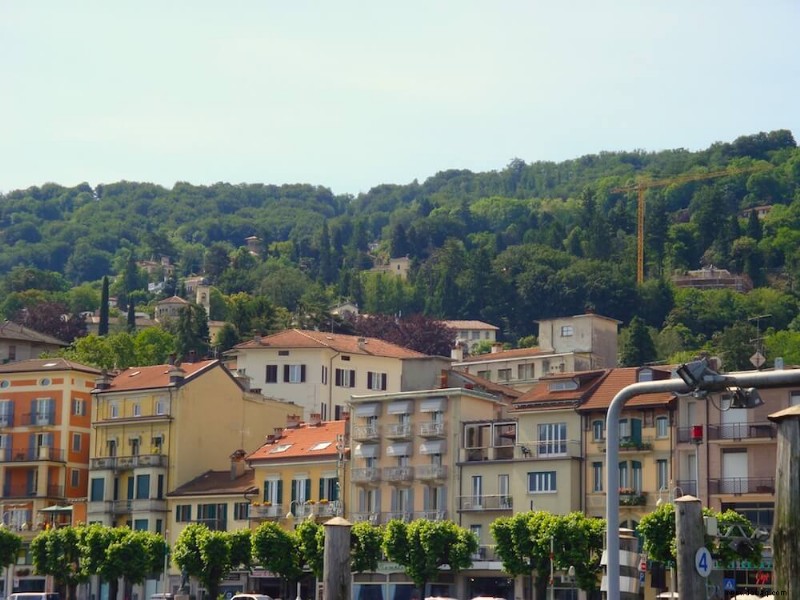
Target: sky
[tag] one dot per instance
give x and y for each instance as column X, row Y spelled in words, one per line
column 350, row 95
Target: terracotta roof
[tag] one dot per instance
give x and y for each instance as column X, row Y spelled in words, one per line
column 312, row 442
column 14, row 331
column 619, row 378
column 47, row 364
column 474, row 382
column 173, row 300
column 347, row 344
column 507, row 354
column 469, row 325
column 143, row 378
column 541, row 395
column 217, row 483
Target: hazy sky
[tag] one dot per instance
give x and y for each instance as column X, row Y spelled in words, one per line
column 350, row 95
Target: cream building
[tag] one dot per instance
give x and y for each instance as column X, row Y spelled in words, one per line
column 319, row 371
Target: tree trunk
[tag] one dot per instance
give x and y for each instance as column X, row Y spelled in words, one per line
column 786, row 531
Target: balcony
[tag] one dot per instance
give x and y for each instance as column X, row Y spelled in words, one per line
column 365, row 433
column 25, row 490
column 126, row 507
column 431, row 515
column 398, row 474
column 38, row 419
column 629, row 444
column 404, row 516
column 629, row 497
column 267, row 511
column 485, row 502
column 549, row 449
column 42, row 453
column 431, row 472
column 492, row 453
column 397, row 431
column 120, row 463
column 485, row 553
column 6, row 421
column 433, row 430
column 366, row 475
column 742, row 485
column 369, row 517
column 742, row 431
column 687, row 486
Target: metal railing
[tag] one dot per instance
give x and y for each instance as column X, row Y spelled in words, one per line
column 405, row 516
column 486, row 502
column 433, row 429
column 742, row 485
column 32, row 454
column 398, row 474
column 129, row 462
column 264, row 511
column 431, row 515
column 370, row 517
column 742, row 431
column 365, row 475
column 363, row 433
column 397, row 431
column 24, row 490
column 428, row 472
column 38, row 419
column 688, row 486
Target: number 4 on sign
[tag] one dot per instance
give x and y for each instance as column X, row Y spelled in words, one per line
column 703, row 562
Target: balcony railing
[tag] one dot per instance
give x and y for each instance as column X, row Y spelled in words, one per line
column 263, row 511
column 370, row 517
column 364, row 433
column 485, row 553
column 213, row 524
column 491, row 453
column 549, row 449
column 38, row 419
column 630, row 444
column 119, row 463
column 431, row 515
column 742, row 431
column 6, row 420
column 687, row 486
column 25, row 490
column 429, row 472
column 32, row 454
column 365, row 475
column 398, row 516
column 632, row 498
column 433, row 429
column 397, row 431
column 398, row 474
column 742, row 485
column 486, row 502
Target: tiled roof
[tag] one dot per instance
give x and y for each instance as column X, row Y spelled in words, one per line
column 346, row 344
column 541, row 394
column 506, row 354
column 14, row 331
column 469, row 325
column 143, row 378
column 619, row 378
column 485, row 384
column 217, row 483
column 311, row 442
column 46, row 364
column 172, row 300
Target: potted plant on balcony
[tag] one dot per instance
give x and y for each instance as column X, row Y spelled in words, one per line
column 323, row 501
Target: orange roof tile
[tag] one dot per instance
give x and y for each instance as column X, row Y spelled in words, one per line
column 469, row 325
column 215, row 483
column 541, row 395
column 143, row 378
column 46, row 364
column 506, row 354
column 312, row 442
column 173, row 300
column 348, row 344
column 619, row 378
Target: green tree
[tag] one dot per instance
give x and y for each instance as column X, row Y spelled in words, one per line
column 311, row 537
column 102, row 328
column 57, row 552
column 192, row 332
column 422, row 547
column 131, row 317
column 366, row 543
column 95, row 540
column 523, row 545
column 734, row 345
column 205, row 555
column 241, row 548
column 10, row 546
column 278, row 551
column 153, row 346
column 636, row 345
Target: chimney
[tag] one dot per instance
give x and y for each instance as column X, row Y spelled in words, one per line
column 176, row 375
column 344, row 415
column 293, row 421
column 257, row 339
column 361, row 343
column 443, row 379
column 172, row 358
column 497, row 347
column 269, row 439
column 457, row 353
column 103, row 382
column 237, row 464
column 314, row 419
column 192, row 356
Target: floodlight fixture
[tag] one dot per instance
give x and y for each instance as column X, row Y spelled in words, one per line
column 746, row 398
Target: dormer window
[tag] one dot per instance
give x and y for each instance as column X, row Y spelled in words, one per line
column 562, row 385
column 645, row 375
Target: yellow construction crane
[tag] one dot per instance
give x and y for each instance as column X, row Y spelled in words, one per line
column 640, row 186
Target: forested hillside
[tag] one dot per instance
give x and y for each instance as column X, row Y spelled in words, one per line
column 509, row 247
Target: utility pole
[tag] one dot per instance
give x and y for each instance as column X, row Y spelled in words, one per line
column 786, row 532
column 689, row 534
column 336, row 560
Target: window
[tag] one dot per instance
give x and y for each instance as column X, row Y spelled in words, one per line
column 376, row 381
column 597, row 477
column 552, row 439
column 6, row 413
column 214, row 516
column 12, row 352
column 142, row 487
column 541, row 482
column 485, row 374
column 43, row 410
column 636, row 475
column 294, row 373
column 140, row 525
column 525, row 372
column 562, row 385
column 566, row 331
column 623, row 475
column 504, row 375
column 78, row 407
column 273, row 491
column 662, row 427
column 329, row 488
column 346, row 378
column 137, row 410
column 241, row 511
column 161, row 407
column 76, row 442
column 157, row 443
column 114, row 411
column 598, row 430
column 283, row 353
column 272, row 374
column 477, row 491
column 5, row 383
column 97, row 489
column 475, row 335
column 301, row 490
column 183, row 513
column 74, row 478
column 324, row 375
column 662, row 474
column 135, row 445
column 794, row 398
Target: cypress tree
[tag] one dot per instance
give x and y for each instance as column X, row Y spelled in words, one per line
column 131, row 317
column 102, row 328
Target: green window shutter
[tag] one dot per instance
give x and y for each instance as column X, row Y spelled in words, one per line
column 265, row 497
column 636, row 430
column 294, row 490
column 279, row 494
column 308, row 490
column 322, row 493
column 335, row 490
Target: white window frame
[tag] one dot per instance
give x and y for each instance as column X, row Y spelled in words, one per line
column 567, row 331
column 76, row 442
column 137, row 410
column 542, row 482
column 662, row 427
column 552, row 439
column 295, row 374
column 114, row 410
column 597, row 477
column 79, row 407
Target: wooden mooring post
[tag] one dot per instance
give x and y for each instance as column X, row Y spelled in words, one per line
column 336, row 560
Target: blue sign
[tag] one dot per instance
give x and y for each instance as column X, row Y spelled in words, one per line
column 729, row 584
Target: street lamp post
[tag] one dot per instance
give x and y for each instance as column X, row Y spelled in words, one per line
column 694, row 377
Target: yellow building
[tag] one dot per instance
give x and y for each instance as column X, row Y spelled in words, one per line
column 299, row 474
column 157, row 427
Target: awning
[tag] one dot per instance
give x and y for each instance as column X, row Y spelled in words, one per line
column 433, row 405
column 56, row 509
column 367, row 450
column 432, row 447
column 368, row 410
column 401, row 407
column 401, row 449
